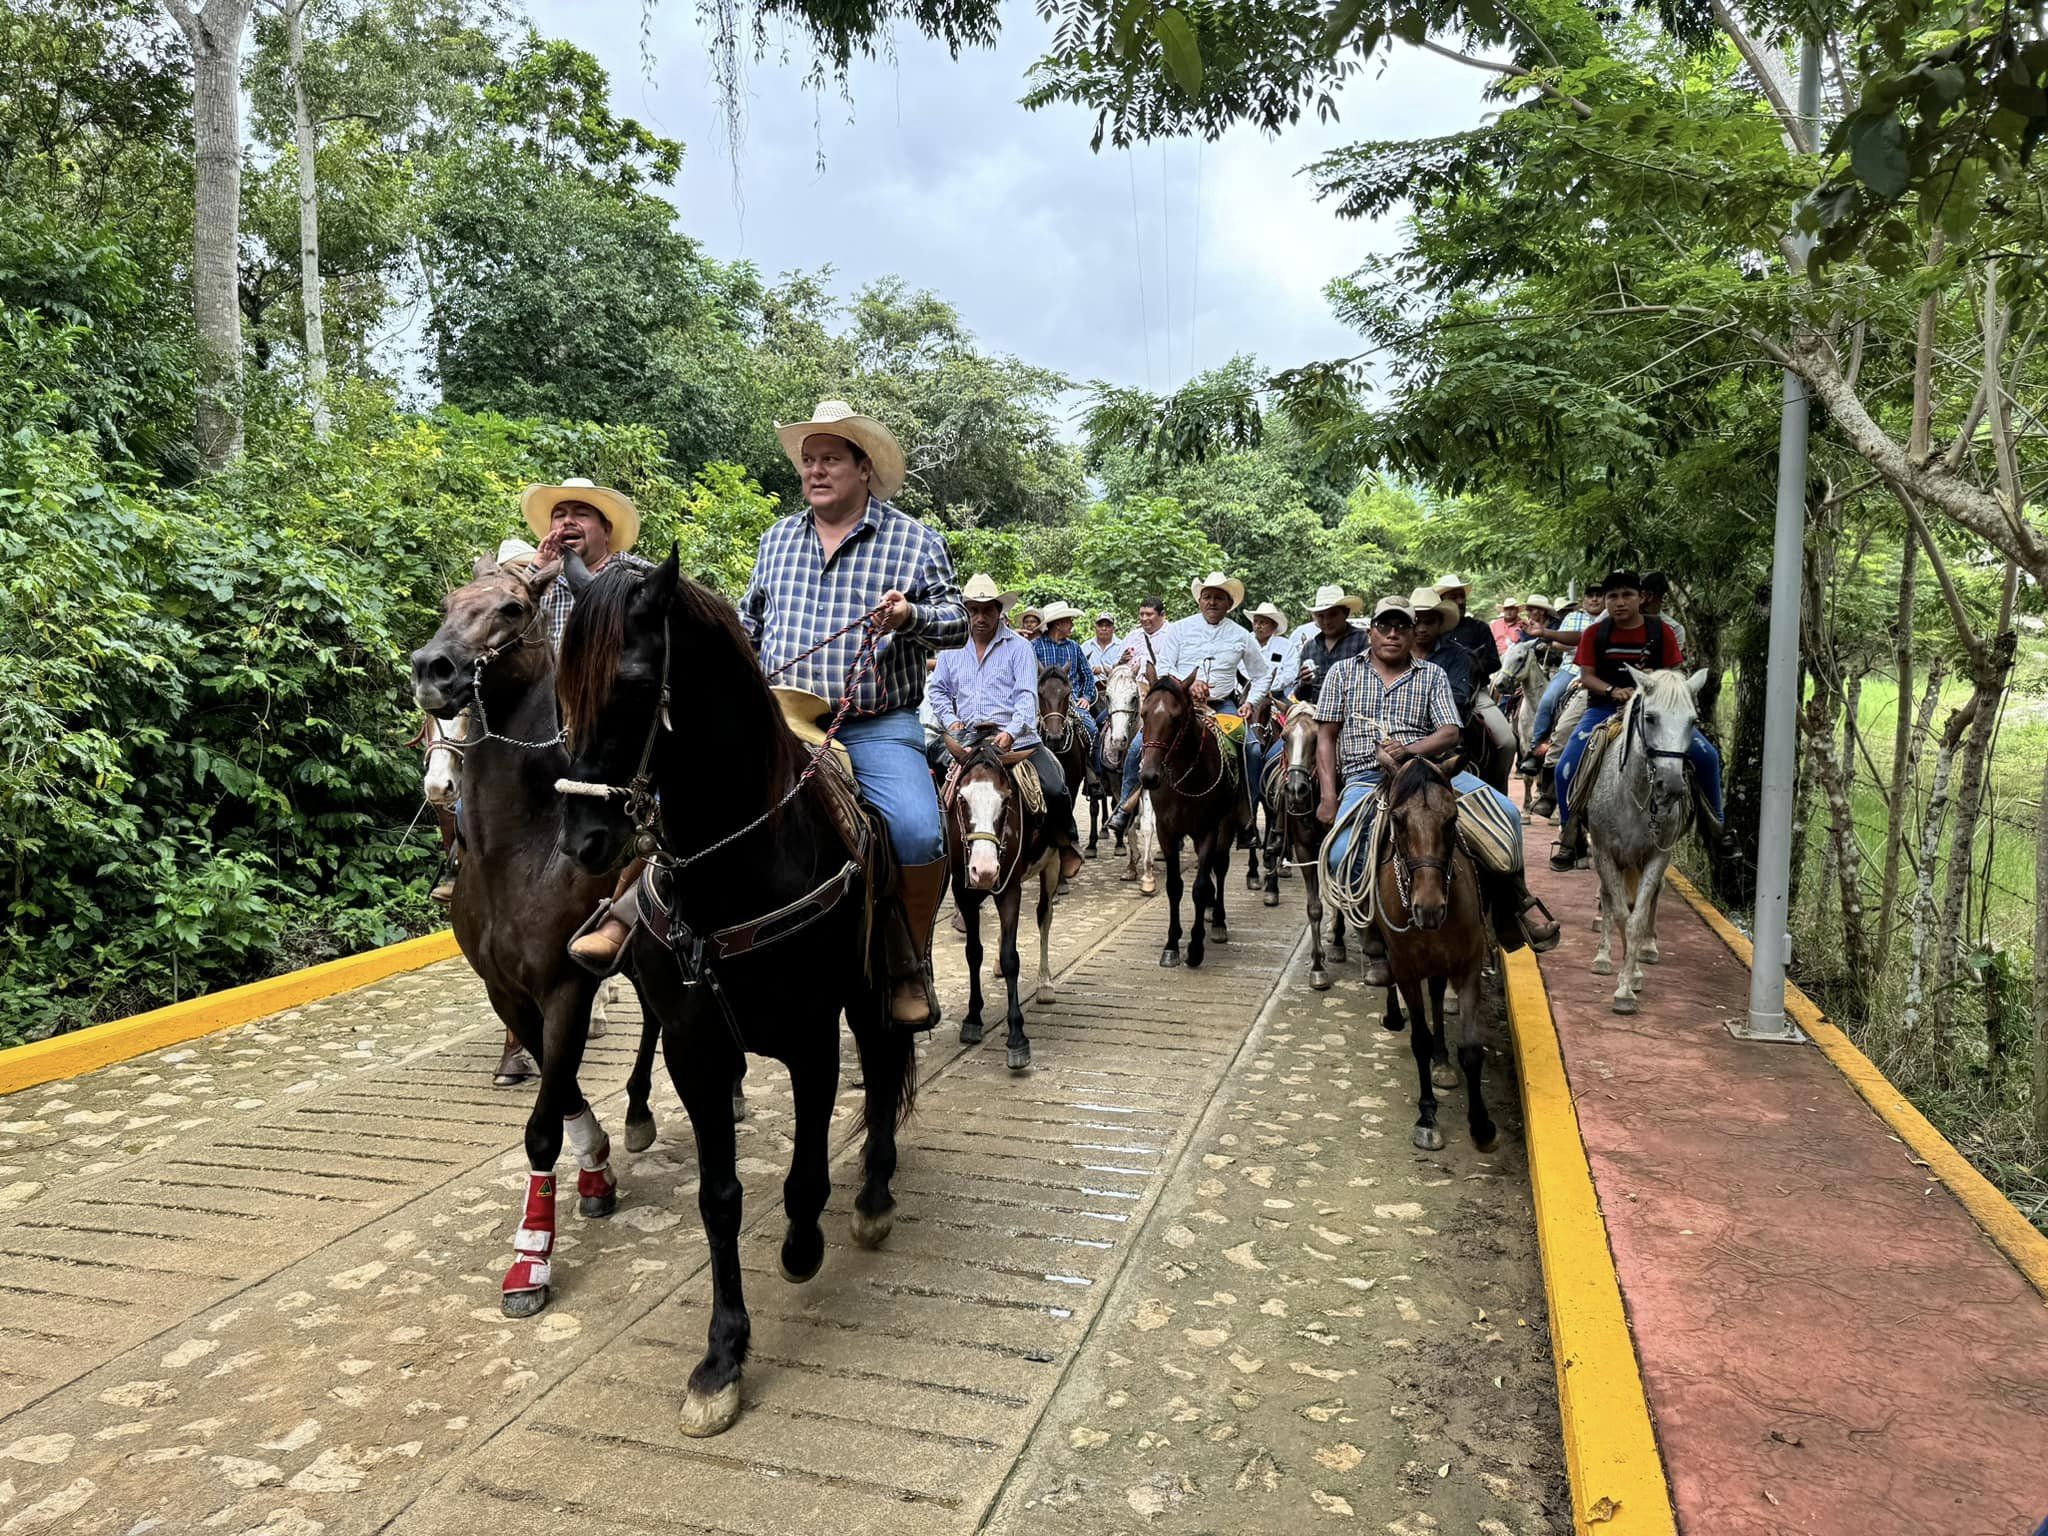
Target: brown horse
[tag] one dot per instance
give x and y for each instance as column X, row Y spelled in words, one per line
column 1428, row 908
column 1068, row 740
column 1185, row 771
column 997, row 844
column 1294, row 833
column 519, row 900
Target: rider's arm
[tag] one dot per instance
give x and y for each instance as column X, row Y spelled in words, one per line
column 754, row 604
column 1554, row 636
column 1256, row 668
column 938, row 615
column 1016, row 708
column 944, row 693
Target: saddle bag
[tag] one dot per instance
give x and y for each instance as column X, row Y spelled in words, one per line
column 1489, row 833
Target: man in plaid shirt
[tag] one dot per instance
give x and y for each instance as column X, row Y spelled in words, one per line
column 1374, row 712
column 849, row 553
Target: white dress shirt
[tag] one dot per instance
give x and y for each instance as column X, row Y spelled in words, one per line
column 1215, row 654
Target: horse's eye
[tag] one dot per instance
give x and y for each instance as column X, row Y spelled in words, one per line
column 509, row 609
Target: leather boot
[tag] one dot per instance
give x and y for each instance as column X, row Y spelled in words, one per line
column 1373, row 944
column 1570, row 844
column 1542, row 932
column 599, row 949
column 913, row 1000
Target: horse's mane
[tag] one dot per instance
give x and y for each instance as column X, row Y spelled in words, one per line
column 1668, row 688
column 1413, row 778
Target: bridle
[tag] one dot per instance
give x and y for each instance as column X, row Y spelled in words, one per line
column 1013, row 843
column 1647, row 801
column 1166, row 750
column 483, row 659
column 1405, row 866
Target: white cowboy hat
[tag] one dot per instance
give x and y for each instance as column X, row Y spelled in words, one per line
column 1538, row 600
column 1452, row 584
column 537, row 505
column 838, row 419
column 981, row 588
column 1028, row 612
column 1055, row 611
column 1221, row 583
column 516, row 552
column 1423, row 599
column 1510, row 601
column 1335, row 597
column 1393, row 605
column 1268, row 611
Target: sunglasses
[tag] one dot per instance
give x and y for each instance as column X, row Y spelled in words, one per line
column 1393, row 623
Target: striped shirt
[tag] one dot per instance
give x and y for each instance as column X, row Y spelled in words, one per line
column 1573, row 623
column 1375, row 712
column 560, row 600
column 797, row 597
column 1069, row 658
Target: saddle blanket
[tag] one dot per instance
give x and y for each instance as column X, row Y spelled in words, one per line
column 1489, row 833
column 1023, row 774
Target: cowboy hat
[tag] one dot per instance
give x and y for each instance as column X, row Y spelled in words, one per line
column 1538, row 600
column 516, row 552
column 1029, row 612
column 537, row 505
column 1268, row 611
column 1452, row 584
column 838, row 419
column 1423, row 599
column 1335, row 597
column 1388, row 605
column 1221, row 583
column 1510, row 601
column 981, row 588
column 1105, row 617
column 1055, row 611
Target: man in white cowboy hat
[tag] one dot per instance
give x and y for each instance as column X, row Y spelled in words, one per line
column 1331, row 638
column 599, row 523
column 1468, row 631
column 1222, row 662
column 1269, row 628
column 819, row 573
column 1507, row 629
column 992, row 680
column 1055, row 647
column 1030, row 622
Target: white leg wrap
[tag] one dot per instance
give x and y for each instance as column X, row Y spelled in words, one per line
column 586, row 1139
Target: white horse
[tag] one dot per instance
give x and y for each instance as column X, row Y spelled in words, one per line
column 1636, row 807
column 1125, row 686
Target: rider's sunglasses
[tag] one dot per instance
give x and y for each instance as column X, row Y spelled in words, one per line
column 1393, row 623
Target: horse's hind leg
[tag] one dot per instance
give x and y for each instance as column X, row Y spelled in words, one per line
column 1392, row 1019
column 813, row 1084
column 1312, row 881
column 971, row 1028
column 1422, row 1042
column 1219, row 862
column 1273, row 847
column 1472, row 1062
column 640, row 1084
column 703, row 1078
column 889, row 1067
column 1045, row 992
column 1441, row 1071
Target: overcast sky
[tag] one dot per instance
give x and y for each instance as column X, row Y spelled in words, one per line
column 935, row 173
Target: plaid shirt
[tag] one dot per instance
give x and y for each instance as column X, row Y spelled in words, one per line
column 1375, row 711
column 558, row 600
column 1070, row 659
column 797, row 597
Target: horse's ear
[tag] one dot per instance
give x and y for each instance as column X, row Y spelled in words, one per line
column 1188, row 682
column 576, row 573
column 539, row 578
column 1637, row 678
column 1151, row 675
column 660, row 589
column 960, row 750
column 1017, row 755
column 1697, row 681
column 485, row 565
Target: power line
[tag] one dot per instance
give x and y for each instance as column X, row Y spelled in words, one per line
column 1138, row 247
column 1166, row 256
column 1195, row 299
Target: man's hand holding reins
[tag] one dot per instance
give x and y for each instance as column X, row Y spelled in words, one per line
column 894, row 612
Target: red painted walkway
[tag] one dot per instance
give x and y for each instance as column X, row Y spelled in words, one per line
column 1828, row 1341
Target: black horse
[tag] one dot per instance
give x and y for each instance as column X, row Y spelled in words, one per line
column 754, row 935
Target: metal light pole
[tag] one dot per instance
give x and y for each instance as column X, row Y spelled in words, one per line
column 1767, row 1019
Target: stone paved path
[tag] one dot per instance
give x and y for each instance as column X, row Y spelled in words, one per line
column 251, row 1285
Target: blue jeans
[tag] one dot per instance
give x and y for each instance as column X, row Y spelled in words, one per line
column 1132, row 755
column 889, row 761
column 1553, row 700
column 1699, row 752
column 1357, row 789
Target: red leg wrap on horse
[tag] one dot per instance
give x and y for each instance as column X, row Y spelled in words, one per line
column 534, row 1243
column 594, row 1182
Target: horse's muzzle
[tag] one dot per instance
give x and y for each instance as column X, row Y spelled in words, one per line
column 1299, row 798
column 589, row 844
column 1429, row 916
column 439, row 686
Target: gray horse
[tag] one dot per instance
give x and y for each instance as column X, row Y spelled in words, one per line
column 1636, row 807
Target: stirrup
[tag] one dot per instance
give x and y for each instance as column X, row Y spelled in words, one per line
column 599, row 966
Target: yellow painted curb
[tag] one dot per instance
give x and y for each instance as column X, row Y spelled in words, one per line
column 62, row 1056
column 2015, row 1236
column 1610, row 1446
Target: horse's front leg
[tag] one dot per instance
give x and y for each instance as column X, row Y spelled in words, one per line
column 640, row 1082
column 1171, row 954
column 1644, row 947
column 1422, row 1043
column 1010, row 905
column 969, row 904
column 1472, row 1061
column 1441, row 1071
column 1219, row 861
column 559, row 1114
column 1276, row 841
column 703, row 1078
column 1628, row 971
column 1605, row 922
column 1312, row 880
column 813, row 1085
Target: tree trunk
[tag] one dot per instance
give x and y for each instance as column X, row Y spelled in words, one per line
column 1930, row 844
column 309, row 220
column 2040, row 1084
column 1990, row 692
column 1843, row 861
column 1902, row 747
column 1734, row 866
column 214, row 34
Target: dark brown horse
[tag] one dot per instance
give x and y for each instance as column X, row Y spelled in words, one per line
column 754, row 934
column 998, row 843
column 1068, row 740
column 1294, row 833
column 1194, row 796
column 1428, row 908
column 519, row 901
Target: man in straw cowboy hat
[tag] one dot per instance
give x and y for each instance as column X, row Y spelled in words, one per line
column 1472, row 633
column 993, row 680
column 1269, row 628
column 1224, row 665
column 597, row 522
column 1331, row 638
column 819, row 572
column 1056, row 647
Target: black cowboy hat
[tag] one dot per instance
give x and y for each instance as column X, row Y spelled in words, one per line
column 1623, row 580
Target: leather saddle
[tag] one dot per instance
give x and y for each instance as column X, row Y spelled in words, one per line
column 808, row 717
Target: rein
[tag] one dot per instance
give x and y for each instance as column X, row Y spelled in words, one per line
column 1180, row 732
column 1645, row 800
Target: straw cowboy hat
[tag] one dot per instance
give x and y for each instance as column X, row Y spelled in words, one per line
column 516, row 552
column 981, row 588
column 537, row 505
column 1335, row 597
column 838, row 419
column 1029, row 612
column 1538, row 600
column 1268, row 611
column 1221, row 583
column 1055, row 611
column 1452, row 584
column 1423, row 599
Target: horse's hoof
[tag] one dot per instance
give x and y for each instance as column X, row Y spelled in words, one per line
column 1392, row 1023
column 1195, row 954
column 1128, row 875
column 1624, row 1005
column 1451, row 1005
column 872, row 1231
column 799, row 1262
column 1218, row 934
column 1603, row 967
column 739, row 1105
column 706, row 1414
column 1020, row 1056
column 1089, row 851
column 1251, row 879
column 1337, row 954
column 597, row 1207
column 1485, row 1141
column 1319, row 980
column 639, row 1134
column 1169, row 956
column 1444, row 1075
column 1044, row 994
column 1271, row 898
column 1428, row 1138
column 523, row 1303
column 971, row 1031
column 1648, row 956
